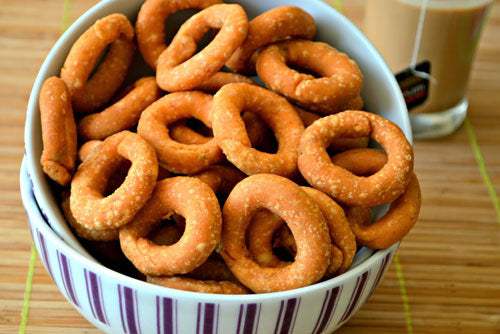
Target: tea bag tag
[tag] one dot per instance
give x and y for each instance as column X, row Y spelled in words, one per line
column 414, row 83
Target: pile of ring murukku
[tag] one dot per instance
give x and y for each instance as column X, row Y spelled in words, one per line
column 208, row 182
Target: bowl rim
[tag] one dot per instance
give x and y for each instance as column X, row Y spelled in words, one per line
column 38, row 222
column 35, row 174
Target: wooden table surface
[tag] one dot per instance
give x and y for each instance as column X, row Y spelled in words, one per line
column 446, row 278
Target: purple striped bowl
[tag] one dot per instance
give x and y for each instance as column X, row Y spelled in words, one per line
column 119, row 304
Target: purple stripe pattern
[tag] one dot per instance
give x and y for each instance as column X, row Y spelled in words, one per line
column 166, row 315
column 286, row 317
column 207, row 318
column 327, row 309
column 65, row 268
column 44, row 253
column 248, row 319
column 94, row 294
column 383, row 266
column 129, row 313
column 355, row 297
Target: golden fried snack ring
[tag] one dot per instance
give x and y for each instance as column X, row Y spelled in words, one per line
column 382, row 187
column 343, row 240
column 284, row 198
column 339, row 83
column 285, row 239
column 150, row 25
column 403, row 212
column 179, row 70
column 183, row 134
column 82, row 231
column 256, row 129
column 339, row 144
column 89, row 93
column 221, row 179
column 220, row 79
column 90, row 207
column 230, row 133
column 58, row 131
column 213, row 269
column 275, row 25
column 174, row 156
column 190, row 284
column 122, row 115
column 190, row 198
column 88, row 148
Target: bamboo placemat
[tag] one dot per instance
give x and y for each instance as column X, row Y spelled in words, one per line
column 446, row 278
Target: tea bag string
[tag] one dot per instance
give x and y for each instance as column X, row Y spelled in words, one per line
column 417, row 43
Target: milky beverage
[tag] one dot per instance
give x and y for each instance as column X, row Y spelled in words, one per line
column 450, row 31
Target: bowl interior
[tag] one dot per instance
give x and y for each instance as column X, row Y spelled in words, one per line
column 381, row 92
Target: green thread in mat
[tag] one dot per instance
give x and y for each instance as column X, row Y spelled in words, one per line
column 66, row 16
column 404, row 294
column 27, row 291
column 337, row 4
column 483, row 170
column 65, row 22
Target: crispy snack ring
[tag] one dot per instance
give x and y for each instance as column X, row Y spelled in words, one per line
column 174, row 156
column 275, row 25
column 150, row 25
column 301, row 214
column 221, row 179
column 90, row 207
column 403, row 212
column 58, row 131
column 339, row 83
column 122, row 115
column 285, row 240
column 230, row 133
column 90, row 93
column 214, row 269
column 82, row 231
column 256, row 129
column 88, row 148
column 220, row 79
column 190, row 284
column 382, row 187
column 338, row 144
column 179, row 70
column 343, row 240
column 190, row 198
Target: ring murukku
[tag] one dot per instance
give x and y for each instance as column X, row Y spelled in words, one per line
column 90, row 91
column 402, row 214
column 231, row 135
column 190, row 284
column 339, row 144
column 221, row 179
column 58, row 131
column 382, row 187
column 197, row 203
column 338, row 84
column 82, row 231
column 285, row 199
column 122, row 115
column 174, row 156
column 88, row 148
column 275, row 25
column 257, row 131
column 89, row 203
column 150, row 25
column 265, row 225
column 179, row 69
column 220, row 79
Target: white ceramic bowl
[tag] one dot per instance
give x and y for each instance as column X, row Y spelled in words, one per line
column 116, row 303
